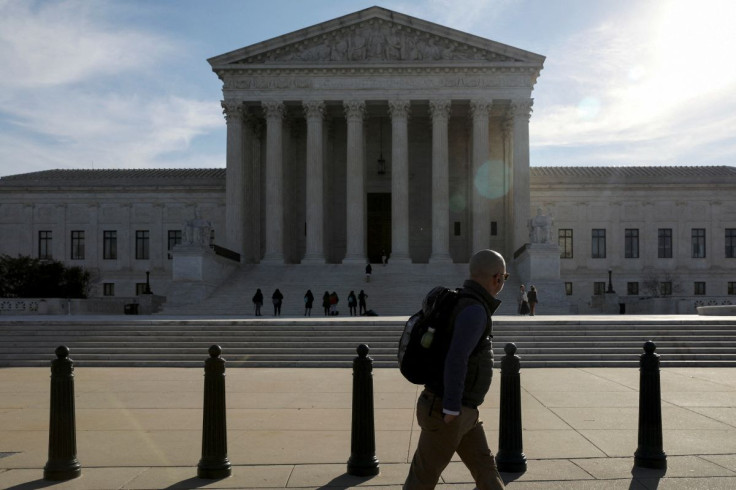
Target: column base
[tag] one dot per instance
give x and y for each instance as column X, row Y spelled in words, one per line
column 313, row 260
column 399, row 259
column 355, row 260
column 440, row 259
column 272, row 259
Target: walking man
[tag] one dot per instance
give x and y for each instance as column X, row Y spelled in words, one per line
column 447, row 409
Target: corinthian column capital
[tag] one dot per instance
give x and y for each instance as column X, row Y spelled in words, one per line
column 354, row 109
column 480, row 108
column 273, row 109
column 398, row 108
column 314, row 109
column 232, row 109
column 439, row 108
column 522, row 108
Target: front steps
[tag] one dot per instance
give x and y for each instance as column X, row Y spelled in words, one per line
column 332, row 342
column 394, row 289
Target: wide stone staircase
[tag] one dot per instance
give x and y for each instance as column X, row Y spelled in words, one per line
column 395, row 289
column 541, row 342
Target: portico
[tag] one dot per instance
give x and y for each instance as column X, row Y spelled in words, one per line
column 310, row 113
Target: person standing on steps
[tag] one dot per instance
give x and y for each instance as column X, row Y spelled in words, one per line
column 352, row 303
column 523, row 300
column 326, row 303
column 308, row 301
column 361, row 302
column 277, row 299
column 533, row 300
column 368, row 270
column 257, row 302
column 333, row 303
column 447, row 409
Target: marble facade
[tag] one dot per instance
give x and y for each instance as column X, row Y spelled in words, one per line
column 310, row 113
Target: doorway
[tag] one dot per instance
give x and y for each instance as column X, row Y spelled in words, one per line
column 378, row 236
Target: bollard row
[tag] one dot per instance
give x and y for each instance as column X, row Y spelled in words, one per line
column 214, row 463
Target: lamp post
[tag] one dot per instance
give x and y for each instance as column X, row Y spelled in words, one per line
column 610, row 284
column 148, row 283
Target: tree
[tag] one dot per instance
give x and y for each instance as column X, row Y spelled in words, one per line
column 27, row 277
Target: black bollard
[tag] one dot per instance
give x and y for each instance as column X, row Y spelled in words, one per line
column 62, row 463
column 214, row 463
column 510, row 457
column 363, row 461
column 650, row 453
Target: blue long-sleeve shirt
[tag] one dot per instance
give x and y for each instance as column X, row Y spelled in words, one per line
column 470, row 324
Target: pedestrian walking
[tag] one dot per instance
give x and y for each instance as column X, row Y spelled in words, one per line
column 353, row 304
column 257, row 302
column 308, row 301
column 277, row 298
column 533, row 299
column 368, row 270
column 447, row 409
column 361, row 302
column 334, row 299
column 326, row 303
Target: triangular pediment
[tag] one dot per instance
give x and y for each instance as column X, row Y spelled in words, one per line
column 375, row 36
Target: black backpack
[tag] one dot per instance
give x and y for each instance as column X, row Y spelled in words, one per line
column 419, row 364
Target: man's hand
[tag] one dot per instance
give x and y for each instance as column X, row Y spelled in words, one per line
column 449, row 418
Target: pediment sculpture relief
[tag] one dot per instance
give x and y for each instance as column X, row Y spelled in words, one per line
column 377, row 41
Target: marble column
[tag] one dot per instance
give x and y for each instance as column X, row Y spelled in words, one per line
column 480, row 203
column 252, row 190
column 234, row 177
column 355, row 227
column 521, row 112
column 399, row 110
column 274, row 112
column 440, row 111
column 314, row 113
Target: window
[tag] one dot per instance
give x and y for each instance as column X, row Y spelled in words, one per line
column 564, row 240
column 457, row 228
column 494, row 228
column 698, row 241
column 108, row 289
column 174, row 239
column 110, row 245
column 631, row 243
column 732, row 288
column 141, row 244
column 599, row 243
column 44, row 244
column 632, row 288
column 140, row 288
column 730, row 243
column 77, row 245
column 699, row 288
column 664, row 243
column 568, row 289
column 599, row 288
column 665, row 288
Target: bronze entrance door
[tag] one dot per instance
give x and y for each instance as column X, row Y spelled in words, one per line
column 378, row 236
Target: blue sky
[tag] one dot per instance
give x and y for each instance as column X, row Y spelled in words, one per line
column 125, row 83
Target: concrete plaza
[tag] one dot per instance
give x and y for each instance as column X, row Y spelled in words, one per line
column 140, row 428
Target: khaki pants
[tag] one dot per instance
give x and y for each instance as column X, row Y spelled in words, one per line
column 439, row 441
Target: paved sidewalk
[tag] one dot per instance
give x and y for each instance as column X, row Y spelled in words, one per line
column 140, row 428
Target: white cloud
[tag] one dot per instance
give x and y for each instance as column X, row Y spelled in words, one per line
column 83, row 91
column 53, row 43
column 655, row 81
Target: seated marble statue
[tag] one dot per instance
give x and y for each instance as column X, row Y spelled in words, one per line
column 540, row 228
column 197, row 231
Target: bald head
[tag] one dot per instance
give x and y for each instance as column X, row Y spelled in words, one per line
column 485, row 264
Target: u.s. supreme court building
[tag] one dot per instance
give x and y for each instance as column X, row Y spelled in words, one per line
column 379, row 134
